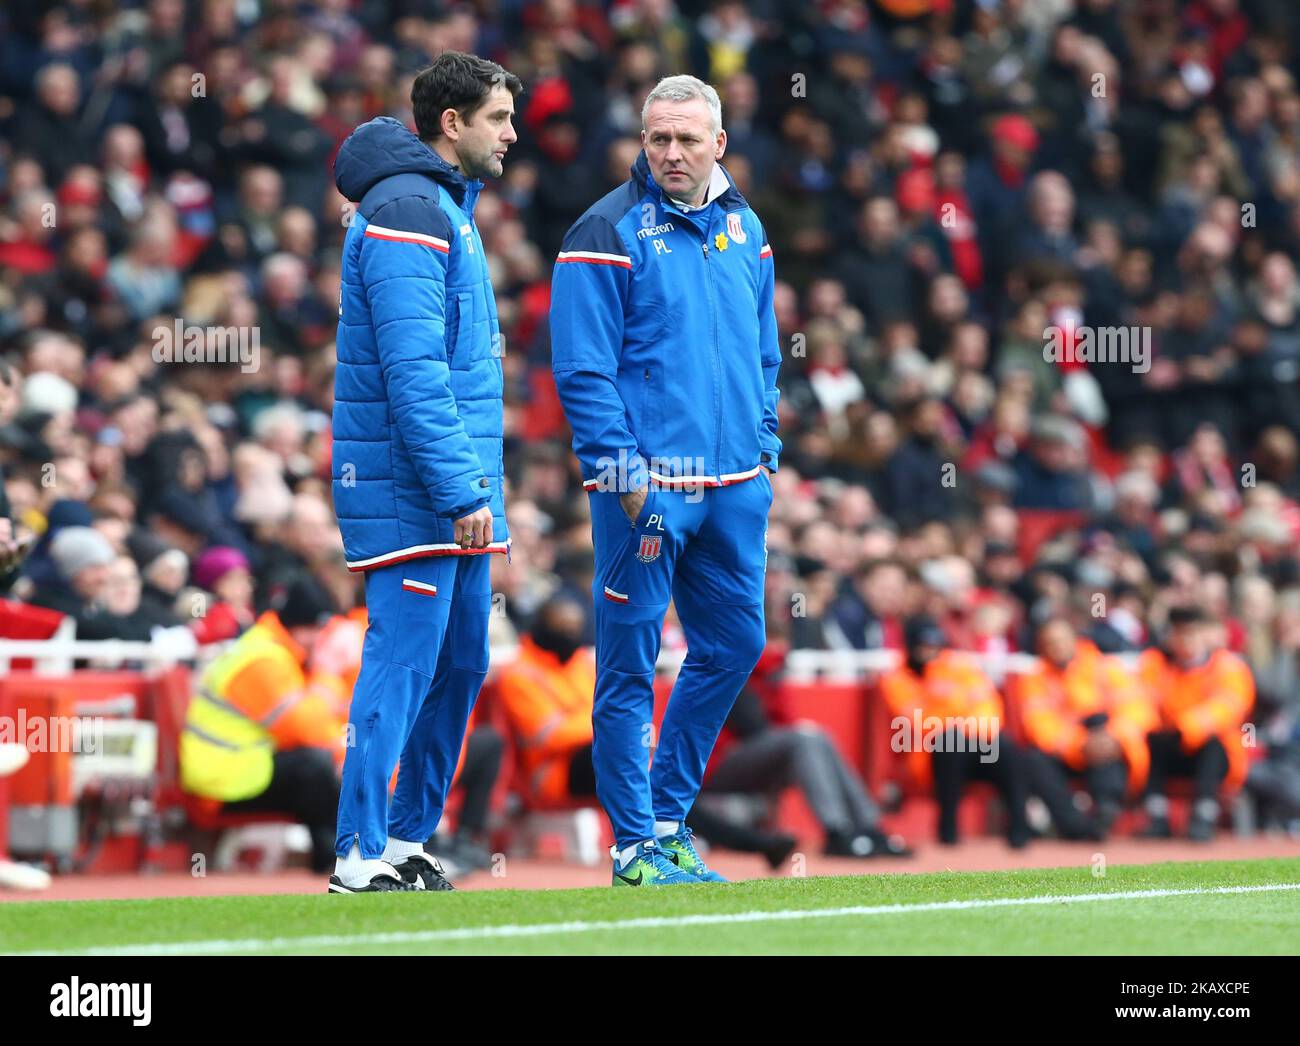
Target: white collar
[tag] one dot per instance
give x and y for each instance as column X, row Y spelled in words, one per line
column 718, row 184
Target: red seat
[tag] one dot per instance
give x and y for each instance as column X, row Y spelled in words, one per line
column 1039, row 525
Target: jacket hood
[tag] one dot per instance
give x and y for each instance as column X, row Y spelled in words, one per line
column 384, row 147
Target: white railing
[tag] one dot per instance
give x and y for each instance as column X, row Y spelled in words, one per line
column 56, row 655
column 855, row 666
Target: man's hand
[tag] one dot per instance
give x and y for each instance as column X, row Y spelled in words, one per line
column 14, row 546
column 475, row 530
column 633, row 501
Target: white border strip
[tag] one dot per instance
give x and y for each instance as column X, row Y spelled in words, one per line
column 378, row 232
column 416, row 551
column 725, row 480
column 473, row 933
column 595, row 257
column 672, row 482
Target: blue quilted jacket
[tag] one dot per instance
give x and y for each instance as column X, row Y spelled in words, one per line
column 664, row 343
column 417, row 390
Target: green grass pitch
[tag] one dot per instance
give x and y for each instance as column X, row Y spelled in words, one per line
column 1211, row 907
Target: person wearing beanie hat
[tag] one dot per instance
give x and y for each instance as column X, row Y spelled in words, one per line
column 175, row 516
column 223, row 572
column 262, row 732
column 214, row 565
column 81, row 557
column 1015, row 131
column 46, row 393
column 948, row 718
column 40, row 568
column 77, row 553
column 163, row 571
column 304, row 605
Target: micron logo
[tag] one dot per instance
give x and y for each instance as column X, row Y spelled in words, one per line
column 657, row 230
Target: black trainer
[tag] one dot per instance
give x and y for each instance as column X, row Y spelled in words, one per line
column 1201, row 829
column 383, row 882
column 1156, row 828
column 871, row 843
column 423, row 872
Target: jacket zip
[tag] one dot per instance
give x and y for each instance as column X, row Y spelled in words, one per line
column 713, row 316
column 717, row 359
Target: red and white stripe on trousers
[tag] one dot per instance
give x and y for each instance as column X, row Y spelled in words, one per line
column 675, row 482
column 420, row 551
column 419, row 587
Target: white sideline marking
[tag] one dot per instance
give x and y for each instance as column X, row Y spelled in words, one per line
column 469, row 933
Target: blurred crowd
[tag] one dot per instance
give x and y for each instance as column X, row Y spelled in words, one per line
column 943, row 182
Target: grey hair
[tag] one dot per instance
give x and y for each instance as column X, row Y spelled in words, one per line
column 684, row 89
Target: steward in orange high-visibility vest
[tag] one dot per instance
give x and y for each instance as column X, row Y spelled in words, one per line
column 548, row 695
column 1204, row 698
column 262, row 733
column 948, row 719
column 1082, row 714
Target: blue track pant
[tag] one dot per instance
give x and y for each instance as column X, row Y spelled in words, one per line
column 424, row 660
column 708, row 554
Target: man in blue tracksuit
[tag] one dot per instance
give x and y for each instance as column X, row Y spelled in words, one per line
column 417, row 471
column 665, row 354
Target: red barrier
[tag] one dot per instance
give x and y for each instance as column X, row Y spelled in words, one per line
column 20, row 620
column 8, row 713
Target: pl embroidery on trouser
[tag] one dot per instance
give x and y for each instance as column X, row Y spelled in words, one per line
column 705, row 551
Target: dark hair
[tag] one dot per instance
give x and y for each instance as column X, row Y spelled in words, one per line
column 303, row 602
column 455, row 81
column 1185, row 615
column 1052, row 618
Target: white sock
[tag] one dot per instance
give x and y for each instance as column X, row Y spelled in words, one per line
column 399, row 849
column 627, row 853
column 663, row 828
column 1208, row 809
column 355, row 870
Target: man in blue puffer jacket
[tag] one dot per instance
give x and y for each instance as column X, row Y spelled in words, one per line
column 418, row 476
column 665, row 354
